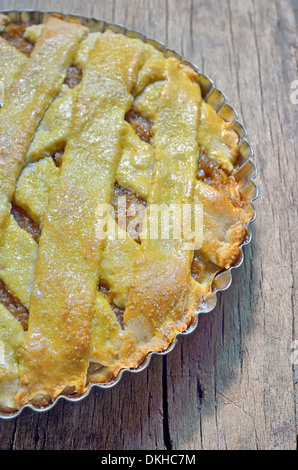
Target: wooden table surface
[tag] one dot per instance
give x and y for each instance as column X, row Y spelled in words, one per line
column 232, row 383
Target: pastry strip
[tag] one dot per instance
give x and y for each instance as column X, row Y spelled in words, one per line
column 107, row 334
column 58, row 341
column 34, row 186
column 11, row 63
column 223, row 226
column 29, row 96
column 11, row 338
column 17, row 260
column 217, row 138
column 158, row 293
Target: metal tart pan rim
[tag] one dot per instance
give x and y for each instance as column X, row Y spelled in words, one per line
column 219, row 104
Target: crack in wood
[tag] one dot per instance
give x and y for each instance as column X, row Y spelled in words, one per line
column 166, row 428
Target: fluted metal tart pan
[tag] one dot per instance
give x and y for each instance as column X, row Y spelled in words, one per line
column 245, row 174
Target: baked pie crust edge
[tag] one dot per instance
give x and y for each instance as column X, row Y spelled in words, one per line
column 223, row 257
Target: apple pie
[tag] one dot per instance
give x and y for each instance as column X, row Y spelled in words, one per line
column 99, row 131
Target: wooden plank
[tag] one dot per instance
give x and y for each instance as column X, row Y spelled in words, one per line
column 243, row 374
column 230, row 384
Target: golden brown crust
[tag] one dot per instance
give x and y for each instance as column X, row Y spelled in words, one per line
column 134, row 124
column 29, row 96
column 65, row 357
column 223, row 226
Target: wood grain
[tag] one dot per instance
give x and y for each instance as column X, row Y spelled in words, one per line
column 231, row 383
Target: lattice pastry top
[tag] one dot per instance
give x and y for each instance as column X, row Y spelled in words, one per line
column 105, row 145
